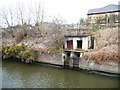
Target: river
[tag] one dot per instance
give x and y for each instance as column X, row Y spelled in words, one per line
column 20, row 75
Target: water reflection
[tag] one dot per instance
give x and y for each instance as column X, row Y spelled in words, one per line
column 18, row 75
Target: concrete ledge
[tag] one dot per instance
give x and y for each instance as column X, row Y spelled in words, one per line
column 87, row 70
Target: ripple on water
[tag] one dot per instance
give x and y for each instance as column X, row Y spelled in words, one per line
column 17, row 75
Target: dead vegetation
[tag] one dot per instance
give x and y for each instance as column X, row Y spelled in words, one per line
column 106, row 37
column 51, row 37
column 19, row 36
column 106, row 49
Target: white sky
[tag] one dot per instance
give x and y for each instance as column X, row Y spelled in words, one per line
column 70, row 10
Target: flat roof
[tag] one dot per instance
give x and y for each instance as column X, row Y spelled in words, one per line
column 84, row 35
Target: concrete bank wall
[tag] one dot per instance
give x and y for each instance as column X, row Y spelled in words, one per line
column 50, row 58
column 56, row 60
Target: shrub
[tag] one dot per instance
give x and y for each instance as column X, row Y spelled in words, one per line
column 19, row 52
column 28, row 55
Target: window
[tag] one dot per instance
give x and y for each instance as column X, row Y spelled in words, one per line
column 79, row 44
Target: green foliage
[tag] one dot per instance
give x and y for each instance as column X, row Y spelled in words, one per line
column 55, row 50
column 0, row 48
column 96, row 27
column 108, row 20
column 46, row 33
column 19, row 52
column 28, row 55
column 82, row 20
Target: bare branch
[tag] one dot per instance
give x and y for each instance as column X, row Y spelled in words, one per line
column 4, row 15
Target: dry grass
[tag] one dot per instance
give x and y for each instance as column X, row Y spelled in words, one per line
column 106, row 47
column 19, row 36
column 106, row 37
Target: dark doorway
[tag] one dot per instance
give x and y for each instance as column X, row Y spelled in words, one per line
column 79, row 44
column 92, row 42
column 70, row 44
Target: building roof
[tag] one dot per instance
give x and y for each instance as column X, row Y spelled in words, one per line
column 106, row 9
column 73, row 50
column 84, row 35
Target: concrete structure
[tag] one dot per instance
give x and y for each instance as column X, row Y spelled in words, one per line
column 83, row 42
column 100, row 13
column 71, row 58
column 74, row 46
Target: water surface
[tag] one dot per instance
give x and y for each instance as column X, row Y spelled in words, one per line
column 20, row 75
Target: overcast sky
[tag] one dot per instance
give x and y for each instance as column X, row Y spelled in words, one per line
column 70, row 10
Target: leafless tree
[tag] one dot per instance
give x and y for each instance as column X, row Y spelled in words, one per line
column 7, row 17
column 22, row 18
column 11, row 16
column 56, row 31
column 36, row 12
column 58, row 21
column 4, row 16
column 20, row 13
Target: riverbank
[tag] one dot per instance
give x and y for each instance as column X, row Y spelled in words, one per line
column 89, row 71
column 88, row 66
column 44, row 44
column 55, row 59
